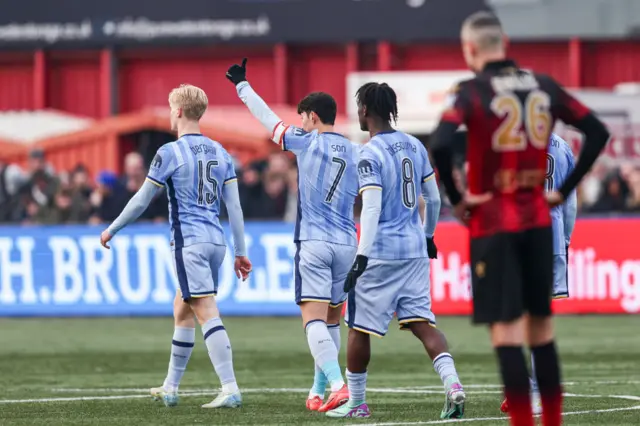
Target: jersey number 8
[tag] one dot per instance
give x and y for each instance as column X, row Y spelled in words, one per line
column 531, row 122
column 408, row 185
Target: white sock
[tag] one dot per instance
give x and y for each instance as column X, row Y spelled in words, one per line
column 444, row 366
column 320, row 380
column 181, row 348
column 357, row 383
column 219, row 347
column 324, row 352
column 334, row 331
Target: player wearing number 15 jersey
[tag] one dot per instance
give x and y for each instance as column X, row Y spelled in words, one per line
column 391, row 272
column 509, row 114
column 197, row 173
column 325, row 233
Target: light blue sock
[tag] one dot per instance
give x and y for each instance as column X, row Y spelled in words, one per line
column 219, row 348
column 445, row 367
column 357, row 383
column 181, row 349
column 534, row 380
column 324, row 352
column 319, row 383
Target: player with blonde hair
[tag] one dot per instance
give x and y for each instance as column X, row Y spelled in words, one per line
column 197, row 172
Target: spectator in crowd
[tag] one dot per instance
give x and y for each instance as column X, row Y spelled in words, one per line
column 40, row 190
column 291, row 207
column 12, row 179
column 613, row 197
column 135, row 174
column 251, row 189
column 79, row 192
column 108, row 199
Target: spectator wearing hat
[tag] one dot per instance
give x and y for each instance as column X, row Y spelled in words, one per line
column 108, row 199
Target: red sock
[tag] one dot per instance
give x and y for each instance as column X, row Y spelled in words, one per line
column 552, row 407
column 520, row 413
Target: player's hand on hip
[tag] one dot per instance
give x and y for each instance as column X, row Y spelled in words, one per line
column 242, row 266
column 105, row 237
column 432, row 250
column 237, row 73
column 554, row 198
column 358, row 268
column 462, row 210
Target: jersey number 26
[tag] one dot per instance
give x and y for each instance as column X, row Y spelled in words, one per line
column 521, row 121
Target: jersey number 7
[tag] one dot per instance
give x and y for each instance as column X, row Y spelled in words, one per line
column 531, row 122
column 342, row 165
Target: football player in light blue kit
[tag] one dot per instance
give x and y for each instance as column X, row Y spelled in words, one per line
column 197, row 172
column 325, row 233
column 391, row 270
column 560, row 164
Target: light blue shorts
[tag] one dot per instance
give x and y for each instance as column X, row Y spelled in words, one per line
column 560, row 277
column 387, row 287
column 320, row 270
column 197, row 268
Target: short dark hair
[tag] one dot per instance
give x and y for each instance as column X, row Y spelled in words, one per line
column 380, row 99
column 322, row 104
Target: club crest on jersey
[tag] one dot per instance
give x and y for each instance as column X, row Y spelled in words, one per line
column 364, row 168
column 157, row 162
column 297, row 131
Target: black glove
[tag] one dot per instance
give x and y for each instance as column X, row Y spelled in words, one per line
column 359, row 265
column 432, row 250
column 237, row 73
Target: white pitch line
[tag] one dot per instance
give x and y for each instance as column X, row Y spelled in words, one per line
column 486, row 419
column 201, row 392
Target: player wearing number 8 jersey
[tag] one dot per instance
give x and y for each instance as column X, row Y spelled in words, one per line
column 391, row 272
column 509, row 114
column 325, row 233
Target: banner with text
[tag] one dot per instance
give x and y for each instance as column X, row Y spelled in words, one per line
column 63, row 271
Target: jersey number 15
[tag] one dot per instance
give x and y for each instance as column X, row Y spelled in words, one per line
column 205, row 173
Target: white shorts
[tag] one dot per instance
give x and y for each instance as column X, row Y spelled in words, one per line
column 388, row 286
column 197, row 268
column 320, row 270
column 560, row 277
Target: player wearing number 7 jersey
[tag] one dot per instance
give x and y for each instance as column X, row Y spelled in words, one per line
column 510, row 113
column 325, row 233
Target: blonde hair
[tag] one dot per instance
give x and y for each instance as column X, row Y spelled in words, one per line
column 191, row 99
column 484, row 29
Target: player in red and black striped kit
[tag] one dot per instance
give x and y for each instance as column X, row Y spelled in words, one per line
column 509, row 114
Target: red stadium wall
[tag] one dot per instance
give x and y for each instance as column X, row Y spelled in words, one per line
column 100, row 82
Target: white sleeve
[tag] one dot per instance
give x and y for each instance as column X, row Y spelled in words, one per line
column 260, row 110
column 231, row 197
column 371, row 207
column 431, row 196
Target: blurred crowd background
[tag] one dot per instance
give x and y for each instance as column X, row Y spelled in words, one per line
column 38, row 194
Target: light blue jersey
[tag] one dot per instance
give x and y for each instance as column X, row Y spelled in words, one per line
column 327, row 185
column 397, row 164
column 193, row 169
column 560, row 163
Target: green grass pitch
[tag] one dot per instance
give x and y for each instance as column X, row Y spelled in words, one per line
column 48, row 365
